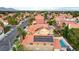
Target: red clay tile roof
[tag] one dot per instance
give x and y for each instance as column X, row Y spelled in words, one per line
column 69, row 22
column 0, row 16
column 27, row 39
column 33, row 28
column 39, row 19
column 39, row 24
column 30, row 39
column 57, row 44
column 72, row 24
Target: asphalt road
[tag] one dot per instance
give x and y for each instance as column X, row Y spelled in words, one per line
column 7, row 42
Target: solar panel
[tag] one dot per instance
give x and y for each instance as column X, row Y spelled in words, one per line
column 43, row 39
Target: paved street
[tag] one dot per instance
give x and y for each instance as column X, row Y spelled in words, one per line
column 6, row 42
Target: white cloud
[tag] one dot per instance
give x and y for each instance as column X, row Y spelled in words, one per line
column 39, row 3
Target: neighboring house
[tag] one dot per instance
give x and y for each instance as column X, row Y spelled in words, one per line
column 2, row 35
column 11, row 14
column 72, row 19
column 2, row 24
column 5, row 22
column 72, row 24
column 68, row 20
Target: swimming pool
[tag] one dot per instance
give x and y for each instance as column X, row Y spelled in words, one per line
column 62, row 43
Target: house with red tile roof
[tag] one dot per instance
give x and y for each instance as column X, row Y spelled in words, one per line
column 72, row 24
column 67, row 19
column 0, row 16
column 39, row 37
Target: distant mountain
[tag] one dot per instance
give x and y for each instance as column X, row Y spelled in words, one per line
column 7, row 9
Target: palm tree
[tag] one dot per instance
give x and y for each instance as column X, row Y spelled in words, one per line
column 66, row 31
column 17, row 45
column 31, row 20
column 6, row 29
column 21, row 32
column 51, row 22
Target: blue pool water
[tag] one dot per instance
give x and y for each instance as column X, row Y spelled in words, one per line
column 62, row 43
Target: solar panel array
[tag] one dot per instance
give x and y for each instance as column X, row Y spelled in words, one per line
column 43, row 39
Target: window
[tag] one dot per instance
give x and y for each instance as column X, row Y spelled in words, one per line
column 51, row 44
column 31, row 43
column 44, row 43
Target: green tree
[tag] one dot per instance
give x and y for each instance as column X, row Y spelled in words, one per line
column 12, row 20
column 51, row 22
column 17, row 46
column 14, row 49
column 17, row 14
column 72, row 36
column 74, row 13
column 30, row 20
column 21, row 32
column 45, row 15
column 66, row 31
column 6, row 29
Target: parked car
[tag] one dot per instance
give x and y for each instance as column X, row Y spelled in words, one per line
column 2, row 35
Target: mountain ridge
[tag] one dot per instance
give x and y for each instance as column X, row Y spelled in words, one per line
column 7, row 9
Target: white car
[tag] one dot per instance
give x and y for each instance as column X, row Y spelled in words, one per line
column 2, row 35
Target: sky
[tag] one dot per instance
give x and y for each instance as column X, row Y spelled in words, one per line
column 38, row 4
